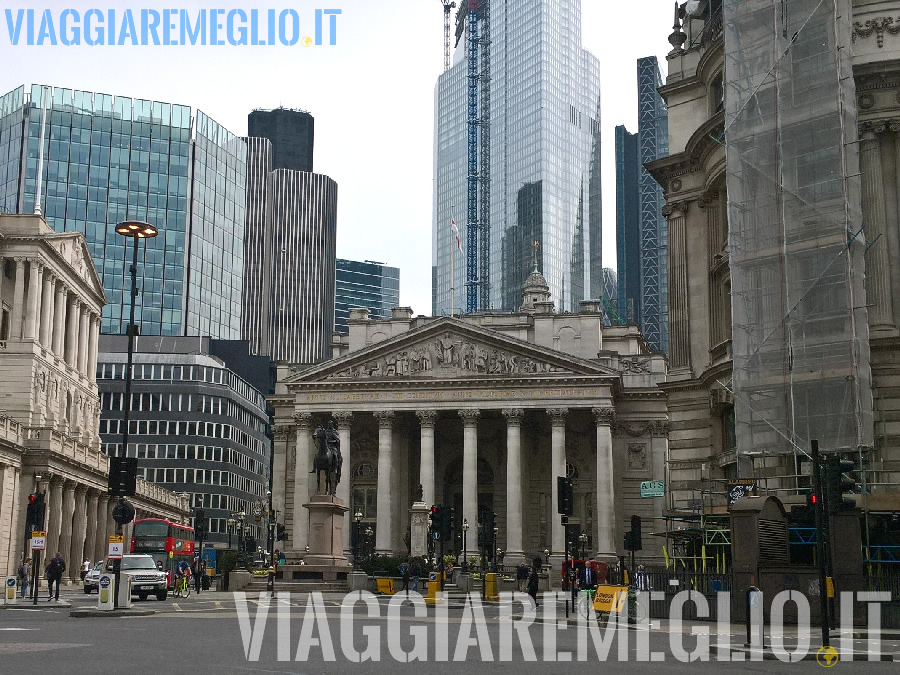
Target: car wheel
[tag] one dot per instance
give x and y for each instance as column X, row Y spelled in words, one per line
column 142, row 596
column 87, row 590
column 162, row 595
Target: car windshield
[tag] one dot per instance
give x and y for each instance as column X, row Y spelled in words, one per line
column 144, row 562
column 98, row 567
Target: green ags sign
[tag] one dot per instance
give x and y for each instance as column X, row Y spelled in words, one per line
column 653, row 488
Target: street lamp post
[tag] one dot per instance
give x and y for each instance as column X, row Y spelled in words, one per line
column 465, row 564
column 583, row 538
column 136, row 230
column 231, row 523
column 357, row 520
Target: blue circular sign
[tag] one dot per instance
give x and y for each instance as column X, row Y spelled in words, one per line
column 104, row 582
column 11, row 582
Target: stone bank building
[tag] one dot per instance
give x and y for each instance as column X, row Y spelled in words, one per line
column 482, row 410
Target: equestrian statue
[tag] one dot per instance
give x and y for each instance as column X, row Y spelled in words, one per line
column 328, row 459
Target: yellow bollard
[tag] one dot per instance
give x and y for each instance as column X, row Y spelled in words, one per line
column 434, row 587
column 490, row 587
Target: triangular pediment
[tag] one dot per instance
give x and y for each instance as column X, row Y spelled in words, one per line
column 449, row 349
column 72, row 249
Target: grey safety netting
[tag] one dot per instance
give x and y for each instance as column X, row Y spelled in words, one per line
column 800, row 335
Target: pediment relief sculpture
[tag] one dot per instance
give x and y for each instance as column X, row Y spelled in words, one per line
column 447, row 355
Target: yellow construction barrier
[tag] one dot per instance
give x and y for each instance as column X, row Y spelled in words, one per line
column 385, row 586
column 490, row 587
column 610, row 599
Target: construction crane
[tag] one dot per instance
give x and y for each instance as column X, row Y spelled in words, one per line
column 447, row 7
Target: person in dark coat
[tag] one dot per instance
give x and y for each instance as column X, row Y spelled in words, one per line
column 55, row 570
column 522, row 577
column 533, row 585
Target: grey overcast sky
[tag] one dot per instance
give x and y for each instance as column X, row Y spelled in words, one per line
column 372, row 96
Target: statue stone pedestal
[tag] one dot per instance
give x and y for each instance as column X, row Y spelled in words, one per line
column 418, row 530
column 326, row 532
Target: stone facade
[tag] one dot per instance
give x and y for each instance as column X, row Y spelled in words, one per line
column 701, row 406
column 484, row 411
column 51, row 298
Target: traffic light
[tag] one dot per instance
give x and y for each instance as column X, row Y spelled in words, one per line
column 635, row 534
column 34, row 516
column 433, row 518
column 565, row 502
column 446, row 522
column 281, row 533
column 122, row 476
column 837, row 483
column 200, row 525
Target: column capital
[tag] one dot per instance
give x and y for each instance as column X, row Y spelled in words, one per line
column 281, row 431
column 604, row 416
column 427, row 418
column 303, row 419
column 20, row 259
column 385, row 418
column 558, row 416
column 514, row 416
column 870, row 129
column 343, row 418
column 469, row 416
column 675, row 209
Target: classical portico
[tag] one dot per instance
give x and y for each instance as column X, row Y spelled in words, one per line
column 484, row 413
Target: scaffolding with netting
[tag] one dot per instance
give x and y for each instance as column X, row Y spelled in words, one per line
column 796, row 241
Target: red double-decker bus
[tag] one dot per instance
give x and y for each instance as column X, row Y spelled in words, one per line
column 168, row 543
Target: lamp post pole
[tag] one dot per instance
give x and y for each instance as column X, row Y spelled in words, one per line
column 135, row 230
column 465, row 529
column 357, row 519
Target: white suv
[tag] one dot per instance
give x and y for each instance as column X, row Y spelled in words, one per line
column 146, row 579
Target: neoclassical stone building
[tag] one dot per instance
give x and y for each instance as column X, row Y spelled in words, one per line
column 51, row 299
column 702, row 440
column 484, row 411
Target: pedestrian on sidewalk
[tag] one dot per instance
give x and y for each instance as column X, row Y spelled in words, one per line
column 85, row 568
column 522, row 577
column 415, row 571
column 533, row 584
column 24, row 574
column 54, row 575
column 404, row 572
column 196, row 572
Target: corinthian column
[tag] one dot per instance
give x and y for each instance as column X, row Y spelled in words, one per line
column 557, row 468
column 514, row 418
column 470, row 464
column 84, row 317
column 46, row 310
column 606, row 494
column 301, row 482
column 878, row 282
column 18, row 307
column 90, row 540
column 79, row 525
column 102, row 543
column 344, row 418
column 65, row 532
column 679, row 319
column 72, row 312
column 384, row 498
column 59, row 317
column 35, row 274
column 54, row 517
column 427, row 419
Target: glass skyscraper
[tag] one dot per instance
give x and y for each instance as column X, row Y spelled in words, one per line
column 107, row 159
column 641, row 229
column 544, row 159
column 365, row 284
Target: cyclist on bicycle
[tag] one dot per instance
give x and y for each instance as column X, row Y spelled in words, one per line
column 183, row 571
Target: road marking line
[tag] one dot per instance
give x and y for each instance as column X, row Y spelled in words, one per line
column 218, row 605
column 177, row 607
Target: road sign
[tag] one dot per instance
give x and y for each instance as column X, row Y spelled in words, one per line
column 10, row 596
column 116, row 547
column 653, row 488
column 38, row 540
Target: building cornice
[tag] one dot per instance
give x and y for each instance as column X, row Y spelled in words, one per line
column 702, row 144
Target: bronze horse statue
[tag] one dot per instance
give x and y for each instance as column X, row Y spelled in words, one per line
column 328, row 459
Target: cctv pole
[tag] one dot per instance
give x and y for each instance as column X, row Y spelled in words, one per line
column 820, row 542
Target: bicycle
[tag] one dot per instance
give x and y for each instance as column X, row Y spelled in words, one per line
column 182, row 587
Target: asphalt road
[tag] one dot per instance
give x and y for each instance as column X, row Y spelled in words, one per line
column 205, row 632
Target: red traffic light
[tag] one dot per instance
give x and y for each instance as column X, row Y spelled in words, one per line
column 32, row 499
column 812, row 499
